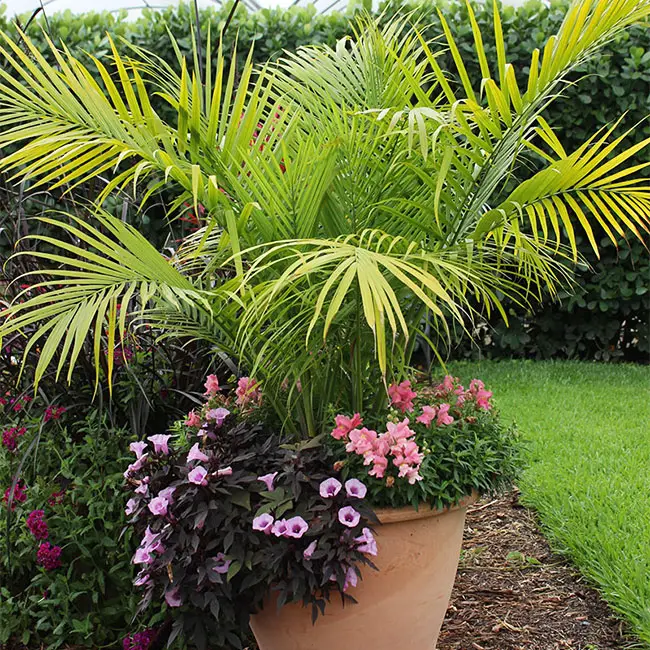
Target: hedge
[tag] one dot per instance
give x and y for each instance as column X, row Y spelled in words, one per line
column 608, row 317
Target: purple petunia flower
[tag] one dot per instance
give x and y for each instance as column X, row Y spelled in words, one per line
column 196, row 454
column 160, row 445
column 309, row 551
column 173, row 598
column 268, row 479
column 131, row 507
column 224, row 471
column 280, row 528
column 355, row 489
column 168, row 493
column 222, row 564
column 263, row 523
column 367, row 543
column 330, row 488
column 138, row 448
column 218, row 415
column 158, row 506
column 349, row 517
column 142, row 556
column 296, row 527
column 197, row 476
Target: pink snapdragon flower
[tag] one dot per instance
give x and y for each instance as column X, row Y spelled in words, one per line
column 193, row 419
column 248, row 390
column 263, row 523
column 160, row 445
column 158, row 506
column 367, row 542
column 309, row 551
column 345, row 424
column 483, row 399
column 296, row 527
column 329, row 488
column 401, row 396
column 196, row 454
column 349, row 517
column 212, row 385
column 428, row 415
column 362, row 441
column 379, row 465
column 197, row 476
column 475, row 386
column 173, row 598
column 268, row 479
column 443, row 416
column 355, row 489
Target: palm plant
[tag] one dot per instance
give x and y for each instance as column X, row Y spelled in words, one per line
column 351, row 194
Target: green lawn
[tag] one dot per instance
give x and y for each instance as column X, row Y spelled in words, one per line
column 588, row 432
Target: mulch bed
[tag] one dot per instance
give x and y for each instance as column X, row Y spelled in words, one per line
column 513, row 593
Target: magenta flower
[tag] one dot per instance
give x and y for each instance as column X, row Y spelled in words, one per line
column 296, row 527
column 309, row 551
column 222, row 564
column 168, row 493
column 218, row 415
column 212, row 385
column 197, row 476
column 196, row 454
column 349, row 517
column 158, row 506
column 173, row 598
column 160, row 443
column 37, row 525
column 131, row 507
column 367, row 543
column 224, row 471
column 142, row 556
column 280, row 528
column 428, row 415
column 329, row 488
column 263, row 523
column 268, row 479
column 351, row 578
column 138, row 448
column 355, row 489
column 345, row 424
column 48, row 556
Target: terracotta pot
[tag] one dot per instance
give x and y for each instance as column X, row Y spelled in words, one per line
column 401, row 606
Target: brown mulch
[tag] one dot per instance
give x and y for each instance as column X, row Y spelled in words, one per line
column 513, row 593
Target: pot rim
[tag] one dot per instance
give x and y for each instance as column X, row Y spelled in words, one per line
column 424, row 510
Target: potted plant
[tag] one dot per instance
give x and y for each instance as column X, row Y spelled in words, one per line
column 352, row 199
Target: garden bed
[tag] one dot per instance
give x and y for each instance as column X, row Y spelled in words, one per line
column 513, row 593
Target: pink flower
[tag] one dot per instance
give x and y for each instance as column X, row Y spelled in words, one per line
column 196, row 454
column 263, row 523
column 483, row 399
column 355, row 489
column 138, row 448
column 224, row 471
column 193, row 419
column 350, row 578
column 406, row 453
column 349, row 517
column 131, row 507
column 345, row 424
column 197, row 476
column 142, row 556
column 475, row 386
column 173, row 598
column 134, row 467
column 367, row 543
column 212, row 385
column 248, row 391
column 413, row 475
column 380, row 463
column 428, row 415
column 268, row 479
column 280, row 528
column 443, row 415
column 401, row 396
column 296, row 527
column 222, row 564
column 329, row 488
column 362, row 441
column 218, row 415
column 309, row 551
column 399, row 431
column 160, row 443
column 168, row 493
column 158, row 506
column 447, row 384
column 149, row 537
column 142, row 489
column 142, row 579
